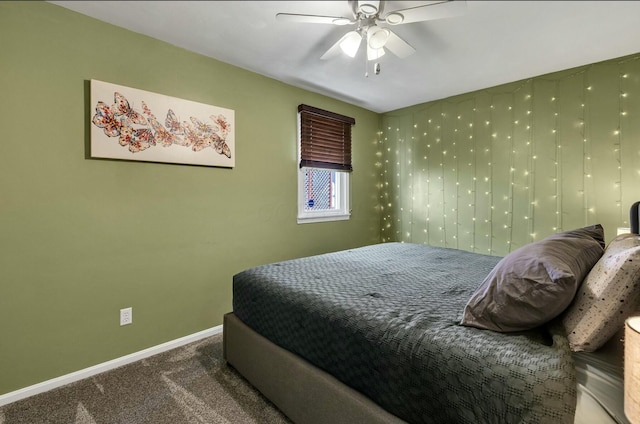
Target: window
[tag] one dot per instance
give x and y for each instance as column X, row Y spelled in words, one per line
column 325, row 163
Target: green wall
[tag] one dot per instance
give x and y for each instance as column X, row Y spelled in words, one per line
column 492, row 170
column 82, row 238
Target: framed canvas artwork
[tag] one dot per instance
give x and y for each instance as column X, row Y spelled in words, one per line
column 133, row 124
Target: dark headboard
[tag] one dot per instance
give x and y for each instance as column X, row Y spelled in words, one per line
column 633, row 218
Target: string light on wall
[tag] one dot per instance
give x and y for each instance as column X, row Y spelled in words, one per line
column 520, row 158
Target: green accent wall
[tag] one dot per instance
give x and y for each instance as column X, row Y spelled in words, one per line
column 81, row 238
column 492, row 170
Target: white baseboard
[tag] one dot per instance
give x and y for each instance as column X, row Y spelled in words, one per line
column 105, row 366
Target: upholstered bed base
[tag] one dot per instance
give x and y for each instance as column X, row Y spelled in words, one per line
column 305, row 393
column 308, row 395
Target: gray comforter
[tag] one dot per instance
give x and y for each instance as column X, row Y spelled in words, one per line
column 384, row 319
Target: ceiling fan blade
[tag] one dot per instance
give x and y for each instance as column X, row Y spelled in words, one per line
column 427, row 12
column 313, row 19
column 398, row 46
column 349, row 44
column 333, row 50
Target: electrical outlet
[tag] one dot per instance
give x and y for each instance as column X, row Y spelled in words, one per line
column 126, row 316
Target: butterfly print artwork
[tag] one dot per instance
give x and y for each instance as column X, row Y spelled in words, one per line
column 175, row 127
column 190, row 134
column 140, row 130
column 105, row 119
column 136, row 139
column 219, row 145
column 123, row 110
column 222, row 148
column 222, row 124
column 161, row 133
column 173, row 123
column 202, row 128
column 202, row 142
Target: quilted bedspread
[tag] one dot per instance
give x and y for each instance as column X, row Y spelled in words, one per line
column 384, row 319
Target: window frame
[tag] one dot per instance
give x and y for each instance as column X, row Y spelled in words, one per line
column 342, row 212
column 341, row 169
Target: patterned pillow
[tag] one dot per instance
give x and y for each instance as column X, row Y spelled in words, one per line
column 535, row 283
column 608, row 295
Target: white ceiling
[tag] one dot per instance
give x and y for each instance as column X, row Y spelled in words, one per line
column 494, row 42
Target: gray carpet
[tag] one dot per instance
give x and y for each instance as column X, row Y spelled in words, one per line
column 190, row 384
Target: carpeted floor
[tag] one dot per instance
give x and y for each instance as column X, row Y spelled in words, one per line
column 190, row 384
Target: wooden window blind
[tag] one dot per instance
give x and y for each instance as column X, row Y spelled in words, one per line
column 325, row 139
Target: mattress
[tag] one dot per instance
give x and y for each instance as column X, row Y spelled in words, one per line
column 384, row 320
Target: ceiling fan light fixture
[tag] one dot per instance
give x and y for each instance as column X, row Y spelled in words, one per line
column 377, row 37
column 394, row 18
column 351, row 43
column 368, row 8
column 373, row 54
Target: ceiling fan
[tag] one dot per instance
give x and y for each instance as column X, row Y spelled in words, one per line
column 367, row 15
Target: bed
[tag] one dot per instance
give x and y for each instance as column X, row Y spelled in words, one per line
column 386, row 334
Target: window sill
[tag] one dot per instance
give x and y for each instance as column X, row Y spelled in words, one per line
column 322, row 218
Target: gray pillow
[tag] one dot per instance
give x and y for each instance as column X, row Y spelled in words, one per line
column 535, row 283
